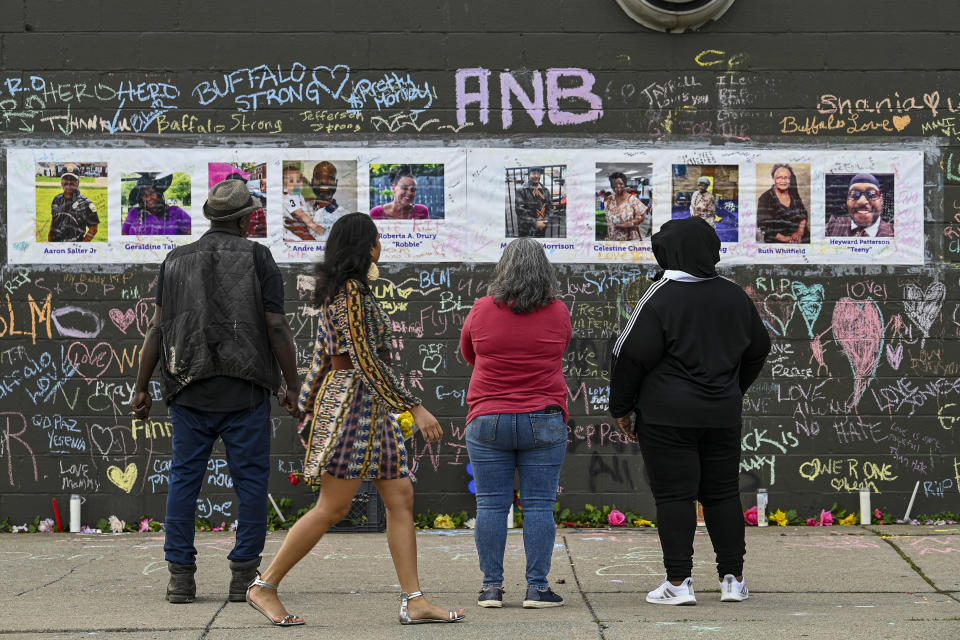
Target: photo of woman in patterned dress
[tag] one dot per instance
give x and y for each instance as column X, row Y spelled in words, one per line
column 349, row 398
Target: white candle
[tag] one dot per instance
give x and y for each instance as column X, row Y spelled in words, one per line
column 74, row 513
column 865, row 511
column 276, row 508
column 906, row 516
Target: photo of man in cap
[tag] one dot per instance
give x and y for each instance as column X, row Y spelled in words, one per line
column 703, row 204
column 73, row 216
column 222, row 340
column 534, row 205
column 864, row 200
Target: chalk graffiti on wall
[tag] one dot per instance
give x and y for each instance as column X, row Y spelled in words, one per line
column 866, row 401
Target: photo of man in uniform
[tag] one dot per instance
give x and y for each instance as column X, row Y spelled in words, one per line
column 73, row 216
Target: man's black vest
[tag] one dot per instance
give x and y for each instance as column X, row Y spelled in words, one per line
column 212, row 320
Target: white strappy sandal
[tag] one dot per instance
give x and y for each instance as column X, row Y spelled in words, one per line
column 286, row 621
column 405, row 618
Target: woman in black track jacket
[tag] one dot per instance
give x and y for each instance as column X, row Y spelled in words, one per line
column 692, row 347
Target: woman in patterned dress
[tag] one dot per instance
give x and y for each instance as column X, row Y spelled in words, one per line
column 624, row 211
column 348, row 398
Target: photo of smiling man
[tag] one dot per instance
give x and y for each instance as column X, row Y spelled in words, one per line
column 70, row 198
column 862, row 205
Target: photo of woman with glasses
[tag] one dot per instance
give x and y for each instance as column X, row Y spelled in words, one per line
column 868, row 205
column 781, row 214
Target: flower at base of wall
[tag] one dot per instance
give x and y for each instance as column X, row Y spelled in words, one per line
column 616, row 518
column 116, row 524
column 471, row 523
column 853, row 518
column 443, row 521
column 750, row 516
column 878, row 514
column 45, row 526
column 20, row 529
column 640, row 522
column 825, row 519
column 779, row 518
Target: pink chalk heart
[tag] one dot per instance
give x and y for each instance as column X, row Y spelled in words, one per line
column 90, row 363
column 121, row 319
column 858, row 327
column 895, row 356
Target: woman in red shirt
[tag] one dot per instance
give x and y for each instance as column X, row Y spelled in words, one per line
column 515, row 338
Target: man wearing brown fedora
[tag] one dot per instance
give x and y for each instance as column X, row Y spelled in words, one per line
column 222, row 341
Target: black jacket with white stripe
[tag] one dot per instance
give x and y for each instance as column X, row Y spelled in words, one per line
column 691, row 349
column 689, row 352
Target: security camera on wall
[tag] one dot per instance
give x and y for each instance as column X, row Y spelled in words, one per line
column 674, row 16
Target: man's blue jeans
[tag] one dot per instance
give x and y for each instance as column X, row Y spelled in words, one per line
column 246, row 438
column 500, row 444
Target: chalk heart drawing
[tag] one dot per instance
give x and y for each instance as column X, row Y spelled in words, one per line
column 900, row 122
column 123, row 320
column 858, row 327
column 923, row 307
column 123, row 478
column 780, row 307
column 90, row 363
column 102, row 438
column 895, row 356
column 342, row 68
column 809, row 301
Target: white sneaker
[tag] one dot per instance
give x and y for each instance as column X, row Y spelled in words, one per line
column 732, row 590
column 667, row 593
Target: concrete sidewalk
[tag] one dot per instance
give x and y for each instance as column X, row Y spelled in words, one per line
column 851, row 582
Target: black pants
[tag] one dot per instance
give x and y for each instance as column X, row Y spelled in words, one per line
column 688, row 464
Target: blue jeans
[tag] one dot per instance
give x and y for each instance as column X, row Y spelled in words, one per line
column 246, row 438
column 500, row 444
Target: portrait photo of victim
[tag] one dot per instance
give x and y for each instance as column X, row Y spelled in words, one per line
column 254, row 175
column 710, row 192
column 71, row 200
column 158, row 203
column 624, row 201
column 536, row 201
column 859, row 205
column 406, row 192
column 316, row 193
column 782, row 215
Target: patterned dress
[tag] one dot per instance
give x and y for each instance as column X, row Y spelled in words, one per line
column 622, row 213
column 353, row 433
column 704, row 205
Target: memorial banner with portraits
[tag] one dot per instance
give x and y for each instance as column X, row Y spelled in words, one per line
column 464, row 204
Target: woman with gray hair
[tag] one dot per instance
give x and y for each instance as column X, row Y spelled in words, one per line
column 515, row 338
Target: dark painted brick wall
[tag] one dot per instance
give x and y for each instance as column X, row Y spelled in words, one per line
column 788, row 53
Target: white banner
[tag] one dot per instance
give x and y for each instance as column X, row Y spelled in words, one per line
column 776, row 206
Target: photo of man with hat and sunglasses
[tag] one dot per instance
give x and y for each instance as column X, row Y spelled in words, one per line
column 222, row 340
column 73, row 216
column 864, row 206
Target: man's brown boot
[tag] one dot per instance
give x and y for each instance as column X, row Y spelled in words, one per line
column 243, row 574
column 182, row 588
